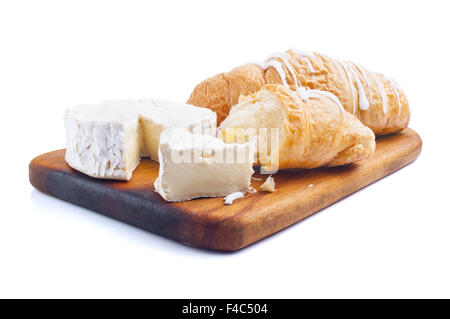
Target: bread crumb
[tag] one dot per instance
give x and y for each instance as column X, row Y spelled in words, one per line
column 310, row 185
column 268, row 185
column 256, row 178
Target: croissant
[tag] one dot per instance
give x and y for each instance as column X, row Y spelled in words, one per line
column 313, row 129
column 378, row 101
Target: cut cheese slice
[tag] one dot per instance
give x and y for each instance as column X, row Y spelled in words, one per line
column 108, row 139
column 195, row 165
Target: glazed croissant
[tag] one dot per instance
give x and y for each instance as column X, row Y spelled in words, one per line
column 312, row 127
column 376, row 100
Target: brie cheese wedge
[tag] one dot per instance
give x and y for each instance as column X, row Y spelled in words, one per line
column 108, row 139
column 196, row 165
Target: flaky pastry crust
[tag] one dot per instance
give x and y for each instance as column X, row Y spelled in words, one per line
column 387, row 108
column 313, row 132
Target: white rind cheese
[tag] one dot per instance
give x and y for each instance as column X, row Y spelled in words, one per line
column 108, row 139
column 230, row 198
column 195, row 165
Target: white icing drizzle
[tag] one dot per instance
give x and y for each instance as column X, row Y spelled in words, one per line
column 300, row 90
column 308, row 54
column 350, row 70
column 289, row 66
column 394, row 83
column 305, row 56
column 337, row 67
column 381, row 90
column 397, row 90
column 331, row 96
column 350, row 81
column 304, row 93
column 363, row 102
column 233, row 196
column 363, row 72
column 277, row 66
column 311, row 69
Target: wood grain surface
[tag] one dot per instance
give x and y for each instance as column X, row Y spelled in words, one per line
column 207, row 222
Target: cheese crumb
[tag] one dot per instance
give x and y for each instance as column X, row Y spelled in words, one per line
column 268, row 185
column 252, row 190
column 231, row 197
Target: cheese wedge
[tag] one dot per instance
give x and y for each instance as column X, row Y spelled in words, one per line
column 108, row 139
column 195, row 165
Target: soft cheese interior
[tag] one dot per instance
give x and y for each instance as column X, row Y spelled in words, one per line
column 108, row 139
column 195, row 165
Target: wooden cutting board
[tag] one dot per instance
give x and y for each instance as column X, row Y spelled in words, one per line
column 208, row 223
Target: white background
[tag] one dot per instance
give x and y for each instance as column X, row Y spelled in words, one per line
column 391, row 239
